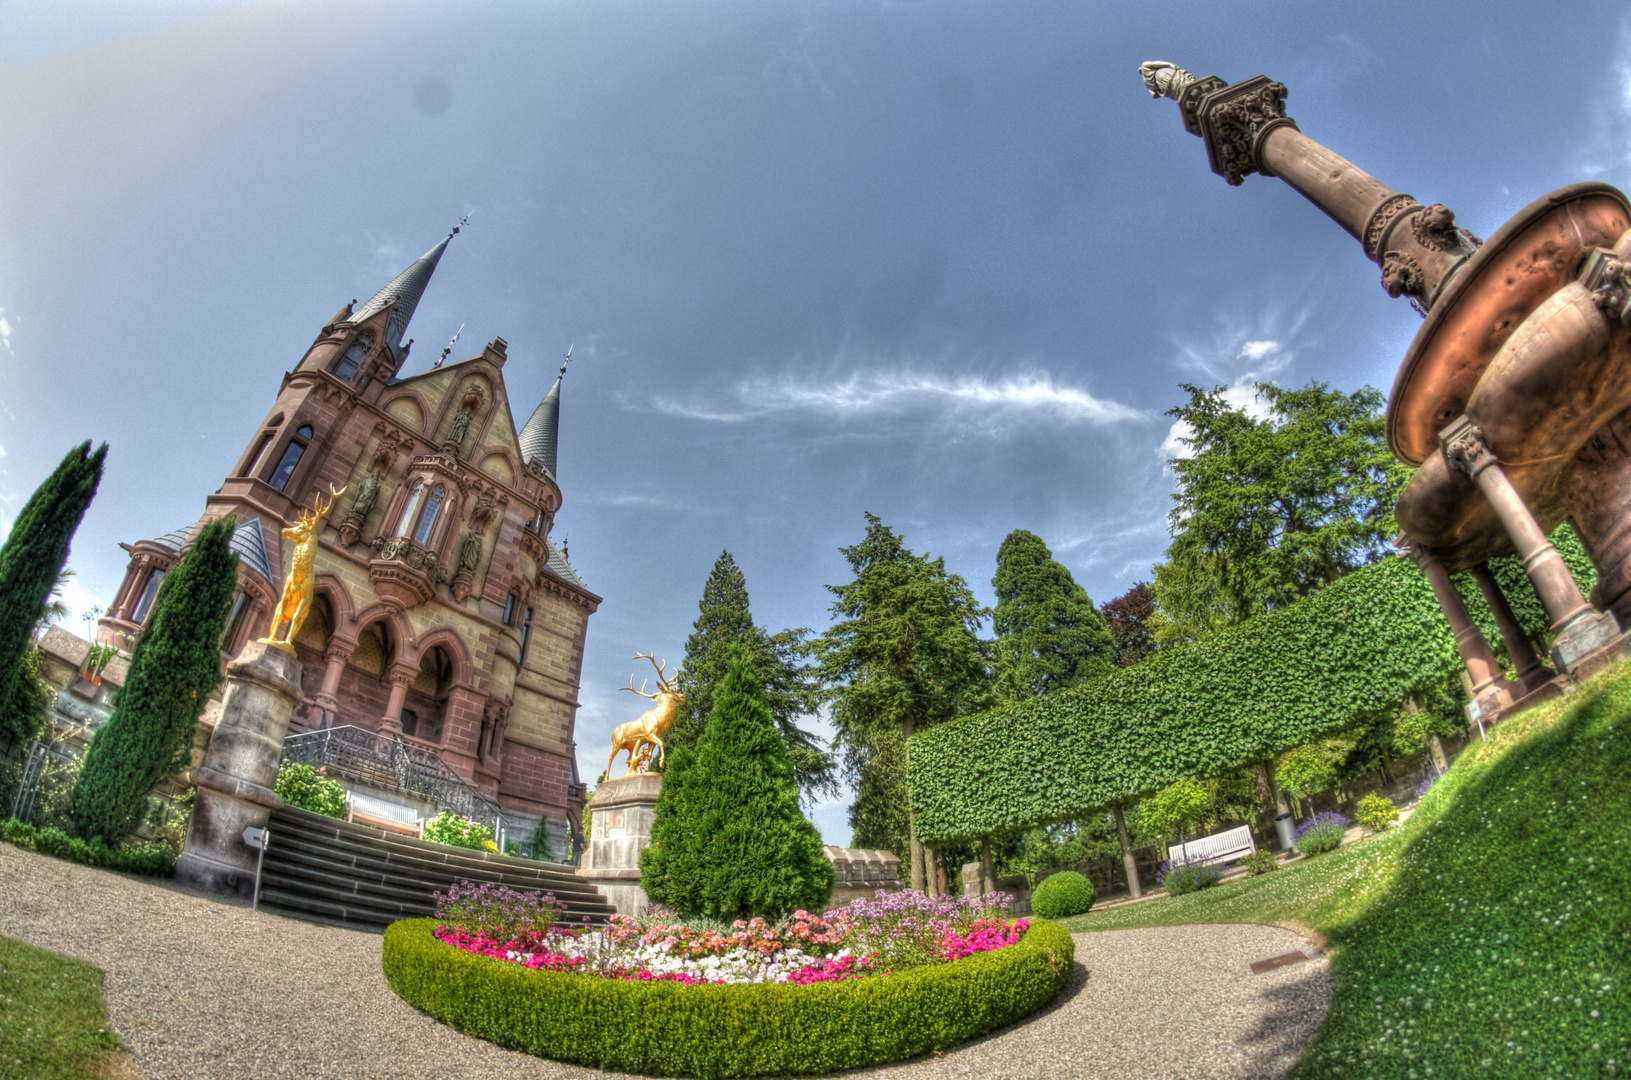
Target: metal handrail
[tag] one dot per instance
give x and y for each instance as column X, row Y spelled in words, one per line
column 389, row 763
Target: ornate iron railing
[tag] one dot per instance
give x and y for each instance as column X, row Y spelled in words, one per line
column 392, row 765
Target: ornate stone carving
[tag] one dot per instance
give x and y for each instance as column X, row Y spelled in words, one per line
column 1402, row 276
column 1414, row 551
column 1233, row 120
column 404, row 573
column 1434, row 227
column 1379, row 222
column 1608, row 279
column 1465, row 448
column 1163, row 79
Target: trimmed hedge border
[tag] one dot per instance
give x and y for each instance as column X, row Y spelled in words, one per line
column 669, row 1029
column 152, row 859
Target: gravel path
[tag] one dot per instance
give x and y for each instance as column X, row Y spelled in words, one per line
column 200, row 989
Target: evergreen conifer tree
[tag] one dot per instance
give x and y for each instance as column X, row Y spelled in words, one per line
column 729, row 840
column 904, row 655
column 1049, row 634
column 175, row 668
column 723, row 625
column 30, row 562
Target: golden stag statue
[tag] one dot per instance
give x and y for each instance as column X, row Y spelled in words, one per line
column 297, row 587
column 638, row 737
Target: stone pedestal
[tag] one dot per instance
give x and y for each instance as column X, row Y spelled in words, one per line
column 619, row 831
column 235, row 781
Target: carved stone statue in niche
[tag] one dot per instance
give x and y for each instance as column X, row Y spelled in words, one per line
column 473, row 401
column 367, row 495
column 469, row 559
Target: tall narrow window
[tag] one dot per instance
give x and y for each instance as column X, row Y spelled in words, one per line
column 145, row 604
column 235, row 622
column 291, row 458
column 260, row 452
column 526, row 635
column 427, row 521
column 406, row 520
column 347, row 365
column 509, row 610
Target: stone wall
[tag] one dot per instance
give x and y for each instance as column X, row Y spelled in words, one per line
column 861, row 872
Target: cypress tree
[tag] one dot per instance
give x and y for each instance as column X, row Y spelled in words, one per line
column 728, row 839
column 173, row 672
column 723, row 625
column 30, row 562
column 1049, row 634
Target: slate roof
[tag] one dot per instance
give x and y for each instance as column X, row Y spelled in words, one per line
column 406, row 289
column 562, row 569
column 538, row 437
column 248, row 540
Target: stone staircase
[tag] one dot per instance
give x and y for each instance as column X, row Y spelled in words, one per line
column 324, row 870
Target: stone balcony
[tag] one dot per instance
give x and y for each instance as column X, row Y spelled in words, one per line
column 404, row 574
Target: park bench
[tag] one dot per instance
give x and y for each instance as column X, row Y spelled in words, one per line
column 383, row 815
column 1220, row 847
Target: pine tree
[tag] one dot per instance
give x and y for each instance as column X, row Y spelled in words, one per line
column 1049, row 634
column 173, row 672
column 728, row 840
column 30, row 562
column 1129, row 617
column 724, row 624
column 903, row 656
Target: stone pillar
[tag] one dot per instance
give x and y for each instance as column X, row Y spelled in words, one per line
column 334, row 658
column 235, row 781
column 401, row 678
column 1482, row 670
column 1524, row 658
column 988, row 867
column 1133, row 885
column 1578, row 629
column 620, row 831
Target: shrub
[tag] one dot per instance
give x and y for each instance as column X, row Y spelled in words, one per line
column 1321, row 833
column 1261, row 861
column 303, row 786
column 496, row 911
column 152, row 859
column 451, row 829
column 1376, row 812
column 1062, row 895
column 1184, row 877
column 664, row 1028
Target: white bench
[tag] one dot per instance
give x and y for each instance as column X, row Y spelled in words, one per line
column 1218, row 848
column 384, row 815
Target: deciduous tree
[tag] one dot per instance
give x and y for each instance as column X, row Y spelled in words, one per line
column 1130, row 617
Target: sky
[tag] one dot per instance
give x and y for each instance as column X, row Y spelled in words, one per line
column 943, row 262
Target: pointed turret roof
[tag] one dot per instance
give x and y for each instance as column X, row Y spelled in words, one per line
column 406, row 289
column 538, row 438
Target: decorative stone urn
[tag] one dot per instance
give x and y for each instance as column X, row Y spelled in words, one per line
column 235, row 781
column 620, row 830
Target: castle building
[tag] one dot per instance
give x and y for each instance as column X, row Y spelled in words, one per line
column 446, row 624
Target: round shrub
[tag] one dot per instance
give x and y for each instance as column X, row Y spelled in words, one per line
column 1376, row 812
column 305, row 787
column 1261, row 861
column 1063, row 894
column 660, row 1028
column 1321, row 833
column 1181, row 877
column 456, row 831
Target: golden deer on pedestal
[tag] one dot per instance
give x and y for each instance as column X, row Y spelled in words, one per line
column 639, row 736
column 297, row 587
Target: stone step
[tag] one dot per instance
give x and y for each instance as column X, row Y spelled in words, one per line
column 340, row 873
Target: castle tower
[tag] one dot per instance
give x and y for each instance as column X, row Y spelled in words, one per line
column 444, row 620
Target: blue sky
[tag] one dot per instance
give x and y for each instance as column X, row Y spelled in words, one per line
column 943, row 262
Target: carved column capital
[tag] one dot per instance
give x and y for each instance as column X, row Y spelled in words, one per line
column 338, row 650
column 1465, row 448
column 402, row 675
column 1608, row 278
column 1414, row 550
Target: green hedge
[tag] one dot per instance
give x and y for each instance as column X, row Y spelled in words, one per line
column 153, row 859
column 1349, row 653
column 669, row 1029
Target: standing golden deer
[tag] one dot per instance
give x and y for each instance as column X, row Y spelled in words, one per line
column 639, row 736
column 297, row 587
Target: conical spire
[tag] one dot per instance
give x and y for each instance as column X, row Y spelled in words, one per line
column 538, row 438
column 406, row 289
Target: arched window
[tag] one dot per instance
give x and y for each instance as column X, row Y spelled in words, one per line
column 260, row 452
column 427, row 523
column 235, row 621
column 151, row 590
column 291, row 457
column 406, row 520
column 351, row 360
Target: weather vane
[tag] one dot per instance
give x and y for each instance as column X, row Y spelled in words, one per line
column 450, row 341
column 566, row 359
column 459, row 226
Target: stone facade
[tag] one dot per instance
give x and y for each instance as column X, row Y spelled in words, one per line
column 861, row 872
column 444, row 615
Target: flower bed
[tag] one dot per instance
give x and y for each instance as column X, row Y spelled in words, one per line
column 877, row 981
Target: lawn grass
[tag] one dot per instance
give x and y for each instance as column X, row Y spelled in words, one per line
column 1490, row 935
column 53, row 1023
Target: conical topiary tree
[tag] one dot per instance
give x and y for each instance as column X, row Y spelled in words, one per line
column 30, row 562
column 175, row 668
column 729, row 840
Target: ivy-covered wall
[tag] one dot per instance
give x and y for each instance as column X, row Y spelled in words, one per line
column 1349, row 653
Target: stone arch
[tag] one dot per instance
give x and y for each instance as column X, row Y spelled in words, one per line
column 448, row 640
column 499, row 463
column 409, row 408
column 401, row 634
column 333, row 588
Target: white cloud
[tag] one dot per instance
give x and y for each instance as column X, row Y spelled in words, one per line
column 5, row 333
column 904, row 391
column 1242, row 395
column 1256, row 350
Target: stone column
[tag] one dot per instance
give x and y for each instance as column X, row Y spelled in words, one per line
column 235, row 781
column 1524, row 658
column 334, row 658
column 401, row 678
column 988, row 867
column 1577, row 628
column 620, row 830
column 1482, row 669
column 1134, row 887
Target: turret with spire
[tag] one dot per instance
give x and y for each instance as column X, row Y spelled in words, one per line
column 538, row 437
